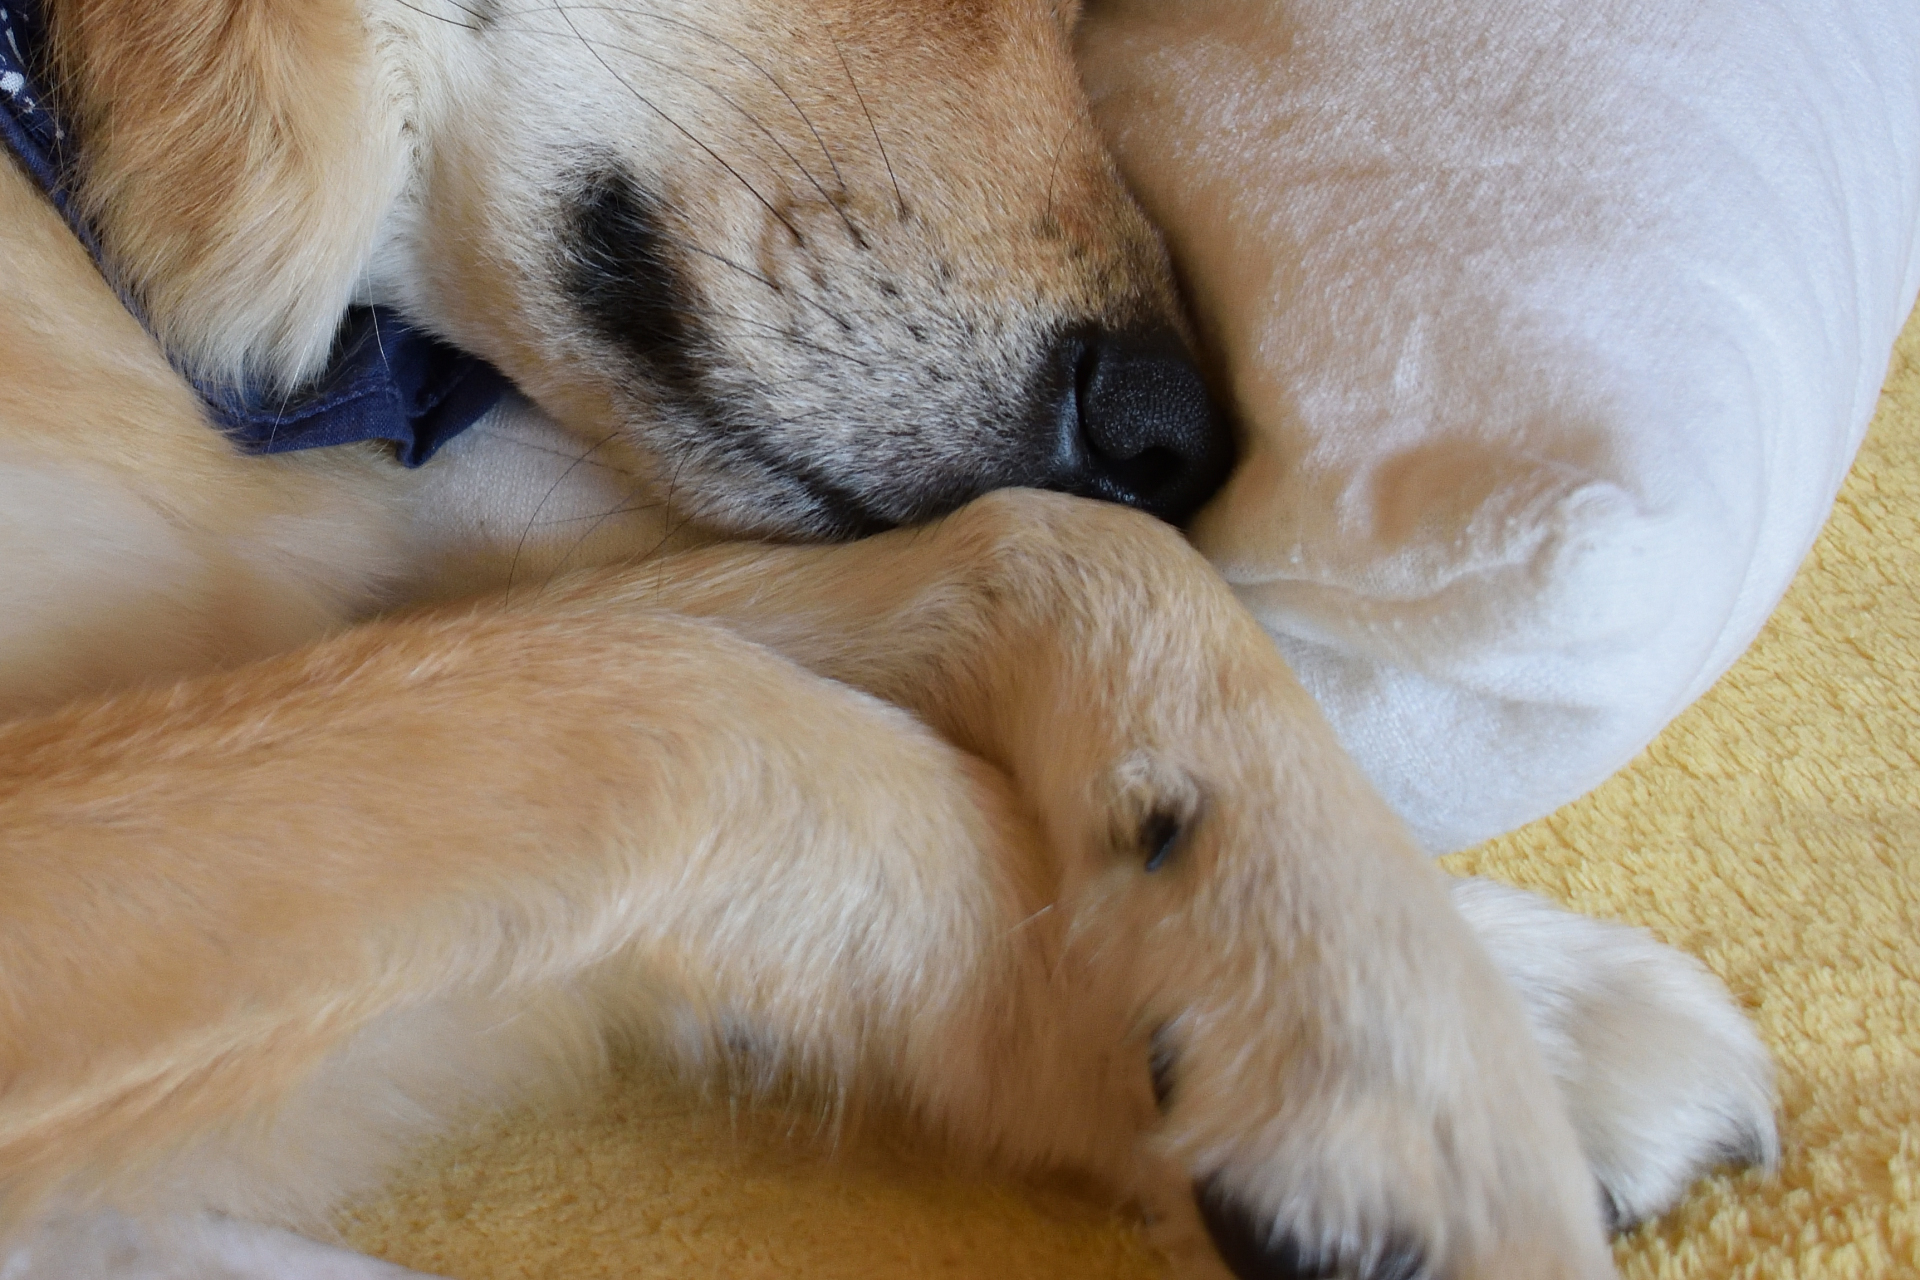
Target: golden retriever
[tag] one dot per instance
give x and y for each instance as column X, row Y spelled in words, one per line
column 1013, row 819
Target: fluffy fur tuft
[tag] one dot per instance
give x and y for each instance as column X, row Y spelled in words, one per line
column 237, row 157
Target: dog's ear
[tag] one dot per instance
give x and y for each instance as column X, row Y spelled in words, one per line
column 236, row 157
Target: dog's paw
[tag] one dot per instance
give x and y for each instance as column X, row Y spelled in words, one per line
column 1662, row 1074
column 1365, row 1101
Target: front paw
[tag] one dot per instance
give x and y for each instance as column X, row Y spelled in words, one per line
column 1663, row 1076
column 1366, row 1103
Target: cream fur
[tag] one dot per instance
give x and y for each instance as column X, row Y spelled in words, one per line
column 870, row 814
column 1655, row 1062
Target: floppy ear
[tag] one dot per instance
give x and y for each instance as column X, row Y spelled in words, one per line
column 236, row 158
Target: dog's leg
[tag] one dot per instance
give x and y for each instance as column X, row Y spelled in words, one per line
column 214, row 893
column 218, row 899
column 1228, row 878
column 1662, row 1074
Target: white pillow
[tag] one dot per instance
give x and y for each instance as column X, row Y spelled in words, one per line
column 1555, row 327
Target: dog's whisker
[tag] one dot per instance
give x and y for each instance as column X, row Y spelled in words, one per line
column 673, row 484
column 684, row 132
column 440, row 17
column 775, row 331
column 859, row 237
column 853, row 230
column 772, row 79
column 594, row 46
column 900, row 201
column 626, row 508
column 777, row 84
column 772, row 286
column 673, row 68
column 535, row 446
column 599, row 522
column 513, row 566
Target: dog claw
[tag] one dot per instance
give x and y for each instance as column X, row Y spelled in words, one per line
column 1252, row 1251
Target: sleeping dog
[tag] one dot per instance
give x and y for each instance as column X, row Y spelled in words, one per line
column 1012, row 820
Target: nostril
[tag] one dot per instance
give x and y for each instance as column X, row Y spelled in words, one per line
column 1149, row 434
column 1256, row 1251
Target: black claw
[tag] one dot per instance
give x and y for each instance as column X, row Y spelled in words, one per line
column 1614, row 1215
column 1249, row 1248
column 1399, row 1264
column 1749, row 1148
column 1252, row 1251
column 1159, row 836
column 1161, row 1062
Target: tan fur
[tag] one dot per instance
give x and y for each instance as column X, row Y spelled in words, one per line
column 227, row 144
column 670, row 852
column 874, row 810
column 137, row 544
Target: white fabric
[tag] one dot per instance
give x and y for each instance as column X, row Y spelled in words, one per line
column 1555, row 324
column 515, row 500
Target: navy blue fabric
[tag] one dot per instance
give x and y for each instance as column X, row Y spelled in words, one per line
column 386, row 380
column 33, row 135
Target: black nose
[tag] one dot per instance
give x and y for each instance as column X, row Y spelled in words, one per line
column 1135, row 424
column 1252, row 1252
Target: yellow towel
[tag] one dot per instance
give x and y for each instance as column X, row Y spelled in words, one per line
column 1773, row 830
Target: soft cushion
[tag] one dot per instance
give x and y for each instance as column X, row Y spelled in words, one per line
column 1554, row 328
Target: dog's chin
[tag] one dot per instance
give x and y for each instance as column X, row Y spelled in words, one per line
column 751, row 509
column 724, row 486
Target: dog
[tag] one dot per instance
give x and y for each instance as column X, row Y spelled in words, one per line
column 851, row 733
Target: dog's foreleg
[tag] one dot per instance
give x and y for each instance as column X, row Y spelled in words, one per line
column 219, row 896
column 222, row 900
column 1346, row 1078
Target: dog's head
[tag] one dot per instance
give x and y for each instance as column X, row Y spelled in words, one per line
column 828, row 266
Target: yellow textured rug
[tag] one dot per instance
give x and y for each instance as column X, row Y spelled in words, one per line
column 1774, row 830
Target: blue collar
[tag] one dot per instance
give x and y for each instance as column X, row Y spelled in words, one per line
column 386, row 381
